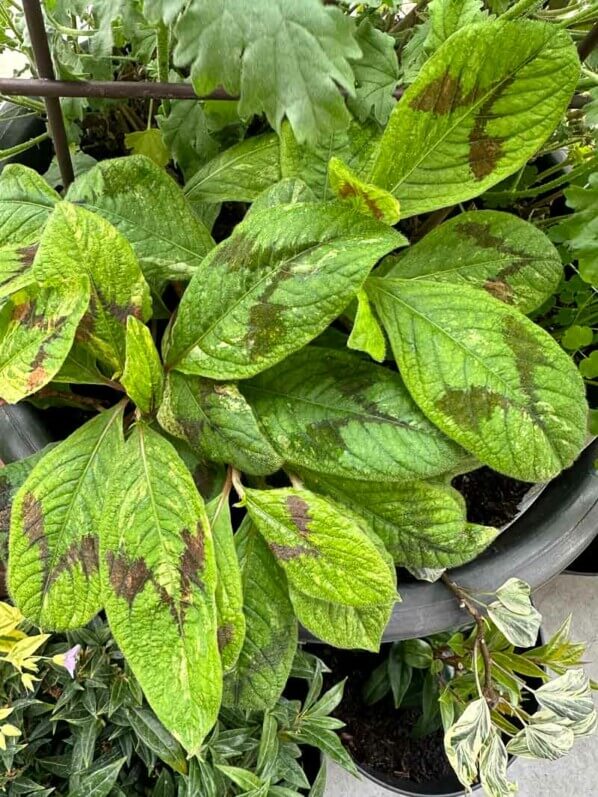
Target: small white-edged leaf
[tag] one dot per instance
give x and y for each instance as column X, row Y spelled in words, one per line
column 547, row 739
column 493, row 768
column 464, row 740
column 520, row 629
column 568, row 696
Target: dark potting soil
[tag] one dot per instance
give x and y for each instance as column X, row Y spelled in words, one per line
column 492, row 499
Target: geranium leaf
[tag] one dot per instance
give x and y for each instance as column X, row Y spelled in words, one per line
column 239, row 174
column 333, row 412
column 37, row 330
column 367, row 334
column 217, row 422
column 142, row 377
column 422, row 524
column 149, row 209
column 257, row 56
column 365, row 198
column 185, row 132
column 468, row 120
column 229, row 587
column 376, row 73
column 266, row 658
column 277, row 282
column 76, row 241
column 486, row 375
column 506, row 256
column 53, row 563
column 158, row 576
column 578, row 231
column 26, row 201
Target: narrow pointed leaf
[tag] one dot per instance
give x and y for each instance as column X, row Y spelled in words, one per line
column 146, row 205
column 229, row 587
column 469, row 120
column 76, row 241
column 217, row 422
column 99, row 781
column 37, row 330
column 270, row 643
column 486, row 375
column 506, row 256
column 367, row 334
column 335, row 413
column 26, row 201
column 274, row 285
column 158, row 581
column 365, row 198
column 53, row 564
column 142, row 378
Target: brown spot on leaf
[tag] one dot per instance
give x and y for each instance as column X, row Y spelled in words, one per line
column 472, row 406
column 499, row 289
column 127, row 578
column 485, row 150
column 192, row 559
column 349, row 190
column 225, row 635
column 33, row 526
column 288, row 552
column 26, row 255
column 83, row 552
column 442, row 95
column 299, row 512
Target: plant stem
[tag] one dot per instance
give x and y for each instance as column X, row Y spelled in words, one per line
column 24, row 102
column 235, row 477
column 18, row 148
column 521, row 8
column 163, row 58
column 465, row 602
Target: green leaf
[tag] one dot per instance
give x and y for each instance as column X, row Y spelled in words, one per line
column 327, row 741
column 53, row 563
column 506, row 256
column 80, row 367
column 277, row 282
column 270, row 643
column 142, row 376
column 568, row 696
column 365, row 198
column 149, row 209
column 399, row 674
column 422, row 524
column 217, row 422
column 287, row 191
column 37, row 330
column 244, row 778
column 588, row 368
column 185, row 133
column 15, row 268
column 239, row 174
column 367, row 334
column 486, row 375
column 417, row 653
column 75, row 242
column 154, row 735
column 449, row 16
column 579, row 230
column 336, row 413
column 468, row 120
column 98, row 782
column 284, row 59
column 229, row 588
column 26, row 201
column 463, row 741
column 515, row 595
column 150, row 144
column 546, row 739
column 493, row 768
column 376, row 73
column 576, row 337
column 158, row 577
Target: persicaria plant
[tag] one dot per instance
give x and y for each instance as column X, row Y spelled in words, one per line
column 339, row 449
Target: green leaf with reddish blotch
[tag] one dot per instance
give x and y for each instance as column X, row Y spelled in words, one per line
column 321, row 546
column 215, row 419
column 80, row 367
column 486, row 375
column 148, row 207
column 158, row 573
column 270, row 644
column 142, row 378
column 37, row 330
column 422, row 524
column 76, row 241
column 277, row 282
column 506, row 256
column 367, row 334
column 15, row 268
column 26, row 201
column 336, row 413
column 469, row 119
column 365, row 198
column 53, row 562
column 229, row 589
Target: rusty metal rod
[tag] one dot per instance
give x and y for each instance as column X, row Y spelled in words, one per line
column 45, row 69
column 107, row 89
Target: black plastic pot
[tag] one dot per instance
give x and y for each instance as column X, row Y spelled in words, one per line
column 18, row 125
column 448, row 787
column 587, row 563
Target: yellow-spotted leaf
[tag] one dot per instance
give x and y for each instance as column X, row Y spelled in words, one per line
column 142, row 378
column 366, row 198
column 367, row 334
column 26, row 201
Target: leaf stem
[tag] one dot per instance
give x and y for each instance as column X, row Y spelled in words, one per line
column 235, row 477
column 163, row 58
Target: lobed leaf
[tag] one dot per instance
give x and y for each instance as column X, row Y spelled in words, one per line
column 53, row 563
column 158, row 576
column 335, row 413
column 142, row 377
column 277, row 282
column 486, row 375
column 470, row 118
column 376, row 73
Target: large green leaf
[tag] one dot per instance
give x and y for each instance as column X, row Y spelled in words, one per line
column 287, row 191
column 274, row 285
column 76, row 241
column 239, row 173
column 229, row 587
column 470, row 118
column 270, row 642
column 333, row 412
column 284, row 59
column 37, row 330
column 15, row 268
column 149, row 209
column 158, row 576
column 53, row 562
column 422, row 524
column 376, row 73
column 486, row 375
column 506, row 256
column 217, row 422
column 26, row 201
column 142, row 377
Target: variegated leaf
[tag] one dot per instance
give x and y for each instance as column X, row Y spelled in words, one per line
column 142, row 377
column 15, row 268
column 53, row 563
column 547, row 739
column 568, row 696
column 464, row 740
column 493, row 768
column 365, row 198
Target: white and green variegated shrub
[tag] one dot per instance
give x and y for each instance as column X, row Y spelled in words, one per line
column 340, row 448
